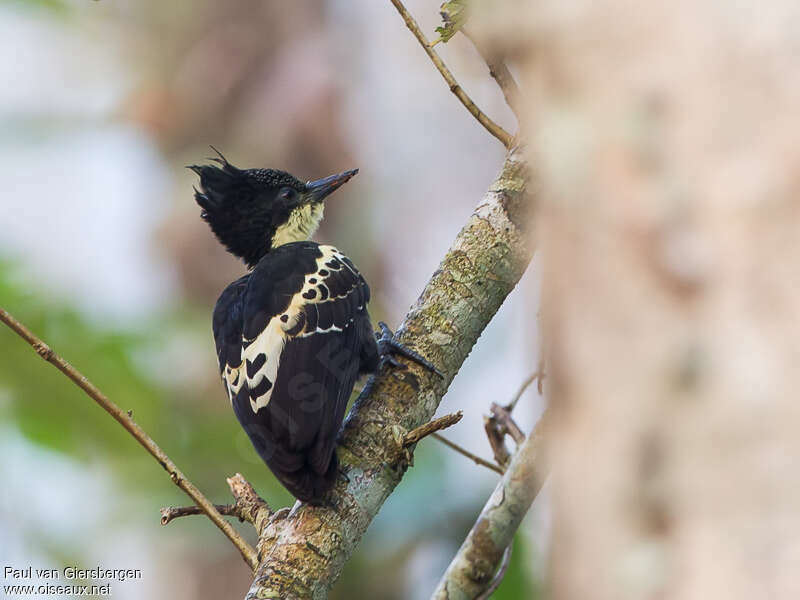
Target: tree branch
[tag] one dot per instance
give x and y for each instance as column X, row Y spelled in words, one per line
column 249, row 506
column 499, row 71
column 477, row 459
column 124, row 419
column 472, row 569
column 431, row 427
column 538, row 377
column 501, row 134
column 168, row 513
column 306, row 551
column 506, row 424
column 498, row 577
column 500, row 423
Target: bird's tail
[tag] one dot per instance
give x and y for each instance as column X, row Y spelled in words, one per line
column 305, row 483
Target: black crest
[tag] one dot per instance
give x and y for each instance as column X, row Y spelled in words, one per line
column 245, row 206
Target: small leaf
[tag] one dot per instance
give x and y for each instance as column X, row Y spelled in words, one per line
column 454, row 15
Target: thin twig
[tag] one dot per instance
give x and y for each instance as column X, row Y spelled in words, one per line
column 500, row 423
column 415, row 435
column 497, row 441
column 499, row 71
column 252, row 507
column 169, row 513
column 498, row 577
column 477, row 459
column 249, row 506
column 505, row 424
column 137, row 432
column 494, row 530
column 538, row 377
column 501, row 134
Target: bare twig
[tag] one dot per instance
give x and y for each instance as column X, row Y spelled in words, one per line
column 477, row 459
column 499, row 71
column 538, row 377
column 252, row 507
column 501, row 134
column 497, row 441
column 500, row 423
column 137, row 432
column 247, row 507
column 498, row 577
column 505, row 424
column 472, row 568
column 415, row 435
column 168, row 513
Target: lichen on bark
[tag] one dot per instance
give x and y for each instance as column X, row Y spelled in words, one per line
column 306, row 552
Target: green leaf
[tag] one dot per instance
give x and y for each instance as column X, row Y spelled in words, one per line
column 454, row 15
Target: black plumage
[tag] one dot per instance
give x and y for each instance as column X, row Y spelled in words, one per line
column 295, row 432
column 294, row 333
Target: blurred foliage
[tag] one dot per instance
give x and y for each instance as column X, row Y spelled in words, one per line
column 192, row 422
column 200, row 435
column 58, row 7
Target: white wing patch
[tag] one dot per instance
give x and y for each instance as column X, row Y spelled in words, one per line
column 261, row 356
column 233, row 379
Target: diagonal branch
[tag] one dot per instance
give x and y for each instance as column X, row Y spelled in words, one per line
column 499, row 71
column 137, row 432
column 500, row 423
column 249, row 506
column 501, row 134
column 431, row 427
column 168, row 513
column 476, row 459
column 538, row 377
column 498, row 577
column 473, row 568
column 306, row 552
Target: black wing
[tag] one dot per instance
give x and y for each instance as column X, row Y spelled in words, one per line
column 305, row 327
column 227, row 326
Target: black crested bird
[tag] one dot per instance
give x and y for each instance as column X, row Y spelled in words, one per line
column 293, row 334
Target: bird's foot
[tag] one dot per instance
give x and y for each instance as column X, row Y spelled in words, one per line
column 279, row 514
column 297, row 506
column 388, row 347
column 343, row 475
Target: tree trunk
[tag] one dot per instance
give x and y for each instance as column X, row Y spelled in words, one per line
column 667, row 139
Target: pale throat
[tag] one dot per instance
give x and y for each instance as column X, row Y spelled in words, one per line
column 303, row 222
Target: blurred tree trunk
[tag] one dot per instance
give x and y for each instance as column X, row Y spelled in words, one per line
column 666, row 139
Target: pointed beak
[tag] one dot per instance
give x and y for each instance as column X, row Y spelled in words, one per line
column 321, row 188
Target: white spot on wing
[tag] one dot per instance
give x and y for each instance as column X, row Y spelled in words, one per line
column 272, row 340
column 229, row 377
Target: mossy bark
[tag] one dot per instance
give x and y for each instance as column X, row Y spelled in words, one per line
column 302, row 555
column 473, row 567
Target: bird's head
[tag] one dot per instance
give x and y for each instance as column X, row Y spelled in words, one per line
column 252, row 211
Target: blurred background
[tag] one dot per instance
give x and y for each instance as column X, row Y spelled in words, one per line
column 104, row 256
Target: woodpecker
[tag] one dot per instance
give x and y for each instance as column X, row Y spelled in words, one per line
column 293, row 334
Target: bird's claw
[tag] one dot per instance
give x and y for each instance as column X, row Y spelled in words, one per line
column 297, row 506
column 388, row 347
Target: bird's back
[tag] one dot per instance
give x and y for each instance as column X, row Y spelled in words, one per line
column 292, row 337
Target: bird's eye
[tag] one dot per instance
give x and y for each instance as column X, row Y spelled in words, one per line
column 287, row 193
